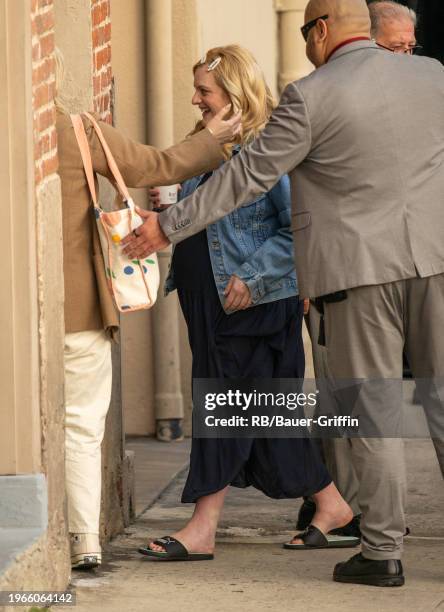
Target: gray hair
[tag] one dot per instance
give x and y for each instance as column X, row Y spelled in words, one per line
column 381, row 10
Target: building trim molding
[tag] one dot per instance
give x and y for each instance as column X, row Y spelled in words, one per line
column 20, row 447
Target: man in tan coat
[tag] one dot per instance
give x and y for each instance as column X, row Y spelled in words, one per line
column 90, row 316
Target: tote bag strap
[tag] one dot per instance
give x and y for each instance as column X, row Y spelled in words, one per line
column 110, row 159
column 82, row 141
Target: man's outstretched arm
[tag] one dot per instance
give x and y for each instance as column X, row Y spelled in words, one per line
column 283, row 144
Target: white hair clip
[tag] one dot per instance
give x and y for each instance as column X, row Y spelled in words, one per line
column 203, row 59
column 214, row 64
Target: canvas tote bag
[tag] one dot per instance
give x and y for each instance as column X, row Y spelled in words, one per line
column 133, row 283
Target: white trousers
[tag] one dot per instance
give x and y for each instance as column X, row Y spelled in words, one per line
column 88, row 378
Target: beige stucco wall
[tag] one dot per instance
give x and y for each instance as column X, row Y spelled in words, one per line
column 186, row 51
column 129, row 70
column 293, row 63
column 132, row 111
column 33, row 323
column 251, row 23
column 73, row 37
column 20, row 448
column 196, row 26
column 128, row 61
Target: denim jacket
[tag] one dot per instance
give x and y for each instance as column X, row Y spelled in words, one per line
column 254, row 242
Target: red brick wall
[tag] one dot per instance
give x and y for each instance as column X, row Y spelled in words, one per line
column 43, row 88
column 43, row 77
column 101, row 40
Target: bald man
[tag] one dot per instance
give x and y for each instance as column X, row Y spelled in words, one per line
column 392, row 28
column 368, row 220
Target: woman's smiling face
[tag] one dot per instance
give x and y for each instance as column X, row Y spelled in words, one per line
column 208, row 96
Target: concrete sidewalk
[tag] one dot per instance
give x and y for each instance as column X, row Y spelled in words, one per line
column 156, row 464
column 251, row 570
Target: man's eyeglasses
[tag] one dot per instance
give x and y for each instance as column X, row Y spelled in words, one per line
column 402, row 49
column 309, row 25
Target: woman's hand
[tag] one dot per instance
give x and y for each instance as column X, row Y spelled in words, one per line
column 225, row 131
column 237, row 295
column 154, row 198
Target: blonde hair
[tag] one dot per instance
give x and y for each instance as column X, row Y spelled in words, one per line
column 240, row 76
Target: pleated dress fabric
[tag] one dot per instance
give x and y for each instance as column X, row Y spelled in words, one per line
column 264, row 341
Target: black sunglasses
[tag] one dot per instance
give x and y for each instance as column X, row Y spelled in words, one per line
column 311, row 24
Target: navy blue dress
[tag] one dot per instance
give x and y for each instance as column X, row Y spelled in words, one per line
column 262, row 341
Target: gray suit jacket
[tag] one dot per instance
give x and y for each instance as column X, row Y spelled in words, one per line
column 363, row 141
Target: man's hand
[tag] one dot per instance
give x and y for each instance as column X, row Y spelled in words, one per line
column 306, row 305
column 225, row 131
column 147, row 238
column 237, row 295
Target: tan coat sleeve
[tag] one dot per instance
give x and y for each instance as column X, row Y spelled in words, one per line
column 143, row 165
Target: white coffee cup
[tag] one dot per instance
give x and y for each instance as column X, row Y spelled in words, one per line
column 168, row 194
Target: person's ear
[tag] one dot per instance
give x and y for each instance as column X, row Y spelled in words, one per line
column 321, row 30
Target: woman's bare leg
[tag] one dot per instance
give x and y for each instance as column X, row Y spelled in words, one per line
column 199, row 533
column 332, row 511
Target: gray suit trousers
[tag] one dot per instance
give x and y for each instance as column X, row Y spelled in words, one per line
column 336, row 452
column 365, row 338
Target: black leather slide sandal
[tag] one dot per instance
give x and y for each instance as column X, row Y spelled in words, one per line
column 174, row 551
column 313, row 539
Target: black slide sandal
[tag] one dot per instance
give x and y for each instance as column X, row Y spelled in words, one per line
column 313, row 539
column 174, row 551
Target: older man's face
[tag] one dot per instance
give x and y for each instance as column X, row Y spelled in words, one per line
column 397, row 35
